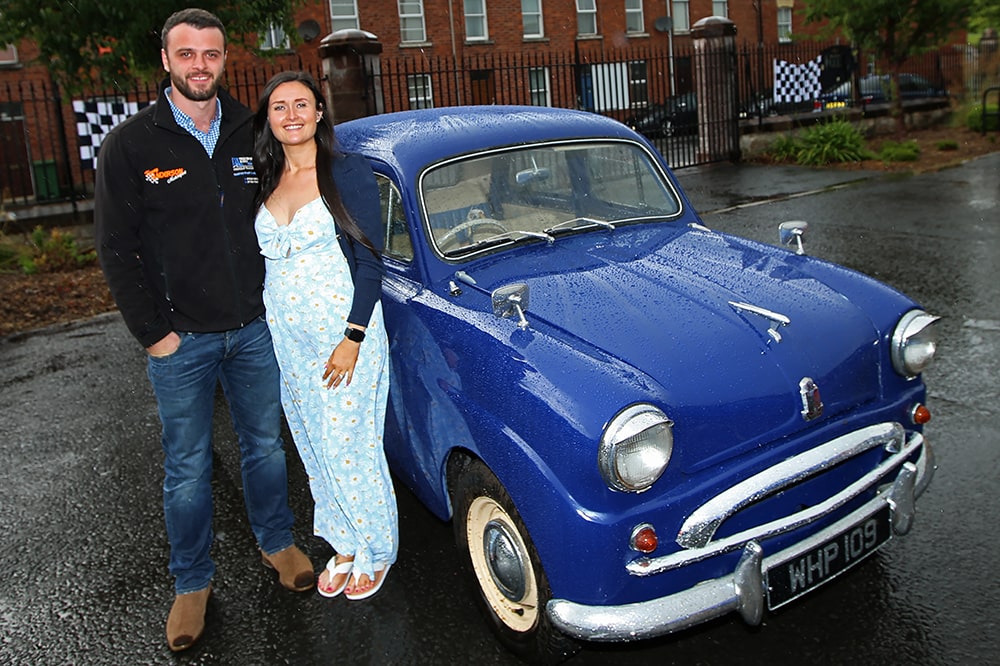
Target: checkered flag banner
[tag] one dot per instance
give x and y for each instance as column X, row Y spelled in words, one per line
column 94, row 119
column 797, row 83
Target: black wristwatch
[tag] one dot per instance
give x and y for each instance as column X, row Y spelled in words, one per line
column 354, row 334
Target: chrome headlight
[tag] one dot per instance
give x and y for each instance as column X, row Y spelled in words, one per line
column 635, row 448
column 914, row 342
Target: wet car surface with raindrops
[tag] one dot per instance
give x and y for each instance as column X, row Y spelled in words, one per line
column 635, row 423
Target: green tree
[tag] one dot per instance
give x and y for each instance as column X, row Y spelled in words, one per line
column 892, row 30
column 985, row 14
column 118, row 41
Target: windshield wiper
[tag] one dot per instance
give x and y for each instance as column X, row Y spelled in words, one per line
column 578, row 222
column 506, row 237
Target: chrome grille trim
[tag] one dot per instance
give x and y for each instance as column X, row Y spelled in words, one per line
column 698, row 530
column 705, row 520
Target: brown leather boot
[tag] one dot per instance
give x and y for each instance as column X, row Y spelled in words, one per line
column 187, row 619
column 295, row 571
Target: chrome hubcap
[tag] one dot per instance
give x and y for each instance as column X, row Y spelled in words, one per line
column 505, row 560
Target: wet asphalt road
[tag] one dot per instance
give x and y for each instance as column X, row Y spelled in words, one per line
column 84, row 557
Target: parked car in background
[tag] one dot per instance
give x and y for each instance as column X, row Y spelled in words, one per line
column 763, row 105
column 760, row 105
column 678, row 115
column 876, row 89
column 635, row 423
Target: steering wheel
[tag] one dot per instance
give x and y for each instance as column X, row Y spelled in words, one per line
column 474, row 225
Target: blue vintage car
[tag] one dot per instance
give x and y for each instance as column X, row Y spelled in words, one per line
column 634, row 422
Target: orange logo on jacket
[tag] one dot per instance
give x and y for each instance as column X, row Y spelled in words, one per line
column 154, row 175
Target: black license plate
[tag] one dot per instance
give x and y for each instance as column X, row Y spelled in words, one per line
column 808, row 571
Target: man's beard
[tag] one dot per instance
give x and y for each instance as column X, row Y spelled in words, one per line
column 181, row 86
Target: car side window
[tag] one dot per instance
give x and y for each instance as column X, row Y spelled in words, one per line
column 397, row 234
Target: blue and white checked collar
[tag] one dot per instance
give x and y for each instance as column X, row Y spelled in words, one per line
column 207, row 139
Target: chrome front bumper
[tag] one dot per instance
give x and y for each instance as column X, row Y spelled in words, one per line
column 744, row 590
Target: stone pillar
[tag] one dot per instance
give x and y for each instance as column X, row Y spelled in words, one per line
column 351, row 68
column 714, row 41
column 988, row 42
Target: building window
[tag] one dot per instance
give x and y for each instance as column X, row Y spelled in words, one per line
column 344, row 15
column 634, row 21
column 418, row 90
column 586, row 17
column 411, row 21
column 475, row 21
column 784, row 24
column 538, row 85
column 8, row 56
column 274, row 39
column 721, row 8
column 637, row 86
column 531, row 18
column 681, row 16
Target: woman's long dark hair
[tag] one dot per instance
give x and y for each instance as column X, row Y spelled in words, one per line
column 269, row 158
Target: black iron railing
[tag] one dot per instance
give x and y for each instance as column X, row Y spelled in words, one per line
column 48, row 140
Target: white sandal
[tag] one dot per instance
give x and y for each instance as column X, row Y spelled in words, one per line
column 336, row 569
column 384, row 570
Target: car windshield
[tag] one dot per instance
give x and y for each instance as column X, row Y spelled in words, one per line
column 540, row 192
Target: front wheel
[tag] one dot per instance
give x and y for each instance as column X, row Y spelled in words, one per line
column 502, row 559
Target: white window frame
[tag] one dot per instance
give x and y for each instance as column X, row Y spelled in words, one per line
column 635, row 20
column 532, row 9
column 409, row 18
column 274, row 39
column 474, row 19
column 586, row 18
column 721, row 8
column 638, row 83
column 680, row 12
column 539, row 86
column 8, row 55
column 784, row 25
column 419, row 93
column 344, row 15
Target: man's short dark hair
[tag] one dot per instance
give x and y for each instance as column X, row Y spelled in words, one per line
column 194, row 17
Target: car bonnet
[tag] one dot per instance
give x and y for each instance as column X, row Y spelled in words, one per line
column 730, row 330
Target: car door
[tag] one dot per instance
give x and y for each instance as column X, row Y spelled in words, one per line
column 422, row 421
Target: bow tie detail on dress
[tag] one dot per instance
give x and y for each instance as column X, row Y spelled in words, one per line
column 276, row 244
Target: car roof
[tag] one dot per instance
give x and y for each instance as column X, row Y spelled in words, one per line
column 410, row 140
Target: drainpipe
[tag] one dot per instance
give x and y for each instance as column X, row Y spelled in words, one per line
column 454, row 50
column 759, row 84
column 670, row 46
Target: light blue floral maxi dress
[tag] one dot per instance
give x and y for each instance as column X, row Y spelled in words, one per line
column 338, row 431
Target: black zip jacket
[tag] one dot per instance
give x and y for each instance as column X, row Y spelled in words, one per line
column 174, row 227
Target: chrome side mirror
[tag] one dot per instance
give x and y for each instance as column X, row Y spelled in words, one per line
column 511, row 302
column 791, row 233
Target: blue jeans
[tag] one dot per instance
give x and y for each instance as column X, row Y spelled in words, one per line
column 185, row 384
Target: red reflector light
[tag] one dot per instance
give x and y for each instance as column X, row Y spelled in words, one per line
column 921, row 415
column 644, row 539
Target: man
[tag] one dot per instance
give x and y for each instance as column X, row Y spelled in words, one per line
column 174, row 223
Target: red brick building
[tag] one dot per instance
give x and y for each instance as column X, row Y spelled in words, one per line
column 433, row 53
column 609, row 56
column 442, row 27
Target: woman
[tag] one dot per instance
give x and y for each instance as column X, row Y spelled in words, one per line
column 319, row 228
